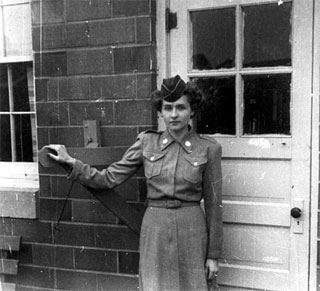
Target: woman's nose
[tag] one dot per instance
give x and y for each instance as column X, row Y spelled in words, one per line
column 174, row 113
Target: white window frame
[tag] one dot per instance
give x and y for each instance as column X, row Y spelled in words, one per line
column 19, row 178
column 12, row 112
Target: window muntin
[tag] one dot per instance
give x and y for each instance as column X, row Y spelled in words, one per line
column 259, row 64
column 17, row 121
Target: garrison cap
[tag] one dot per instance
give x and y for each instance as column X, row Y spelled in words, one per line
column 172, row 88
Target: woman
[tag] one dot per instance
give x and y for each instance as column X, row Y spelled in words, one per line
column 179, row 246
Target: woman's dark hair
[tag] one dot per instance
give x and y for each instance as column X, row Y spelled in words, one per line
column 193, row 93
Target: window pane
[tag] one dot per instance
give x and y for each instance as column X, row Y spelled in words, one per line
column 213, row 39
column 24, row 149
column 267, row 104
column 4, row 93
column 267, row 35
column 20, row 87
column 17, row 19
column 5, row 139
column 218, row 111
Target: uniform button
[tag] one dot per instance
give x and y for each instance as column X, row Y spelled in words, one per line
column 165, row 141
column 152, row 158
column 195, row 164
column 188, row 143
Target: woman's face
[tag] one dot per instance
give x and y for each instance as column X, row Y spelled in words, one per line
column 176, row 115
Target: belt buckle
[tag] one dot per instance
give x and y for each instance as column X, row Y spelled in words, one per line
column 173, row 204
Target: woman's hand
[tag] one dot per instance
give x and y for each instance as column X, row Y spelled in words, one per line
column 212, row 268
column 61, row 155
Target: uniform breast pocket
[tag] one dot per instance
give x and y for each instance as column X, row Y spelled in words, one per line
column 193, row 168
column 152, row 164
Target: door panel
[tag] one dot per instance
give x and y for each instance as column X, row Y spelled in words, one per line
column 262, row 278
column 257, row 248
column 266, row 146
column 263, row 181
column 256, row 213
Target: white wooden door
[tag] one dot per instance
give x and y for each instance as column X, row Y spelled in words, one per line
column 253, row 60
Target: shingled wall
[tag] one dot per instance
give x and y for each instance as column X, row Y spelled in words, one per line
column 93, row 60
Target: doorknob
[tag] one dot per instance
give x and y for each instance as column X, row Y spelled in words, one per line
column 296, row 212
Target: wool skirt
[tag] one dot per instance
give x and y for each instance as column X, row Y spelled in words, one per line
column 173, row 247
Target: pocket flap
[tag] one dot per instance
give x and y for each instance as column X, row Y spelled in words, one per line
column 196, row 161
column 152, row 157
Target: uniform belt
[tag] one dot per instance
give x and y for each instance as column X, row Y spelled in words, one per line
column 171, row 203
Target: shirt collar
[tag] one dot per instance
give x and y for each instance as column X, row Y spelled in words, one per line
column 166, row 140
column 186, row 142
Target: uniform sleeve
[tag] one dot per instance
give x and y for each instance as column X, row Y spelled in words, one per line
column 212, row 185
column 113, row 175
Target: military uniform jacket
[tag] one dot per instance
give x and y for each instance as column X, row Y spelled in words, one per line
column 187, row 170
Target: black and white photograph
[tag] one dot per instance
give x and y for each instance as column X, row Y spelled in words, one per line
column 159, row 145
